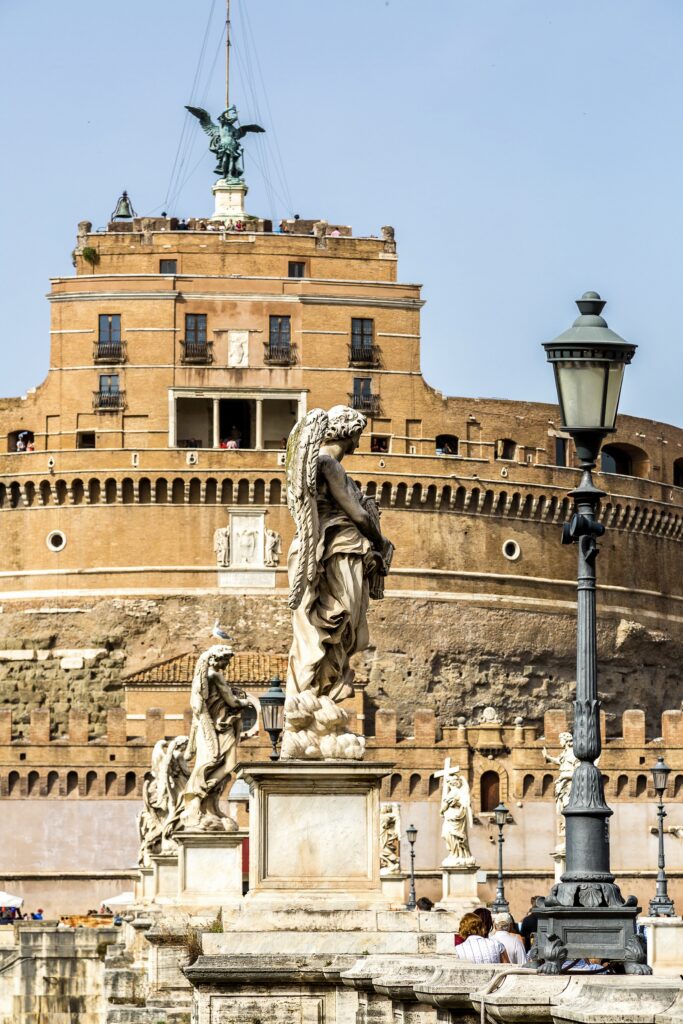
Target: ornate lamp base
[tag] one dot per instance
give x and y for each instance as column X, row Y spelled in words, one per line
column 661, row 906
column 600, row 933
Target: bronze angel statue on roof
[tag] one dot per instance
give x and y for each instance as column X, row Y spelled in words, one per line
column 337, row 561
column 225, row 140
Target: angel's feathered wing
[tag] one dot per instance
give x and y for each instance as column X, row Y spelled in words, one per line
column 244, row 129
column 204, row 119
column 303, row 448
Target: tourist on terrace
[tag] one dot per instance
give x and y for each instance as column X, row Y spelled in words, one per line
column 476, row 947
column 504, row 932
column 529, row 925
column 424, row 903
column 486, row 918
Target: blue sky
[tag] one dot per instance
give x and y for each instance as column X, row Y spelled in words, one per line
column 524, row 150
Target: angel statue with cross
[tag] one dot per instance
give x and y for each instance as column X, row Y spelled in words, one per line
column 456, row 811
column 337, row 562
column 225, row 141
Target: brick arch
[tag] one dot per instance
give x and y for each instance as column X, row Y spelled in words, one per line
column 259, row 492
column 414, row 784
column 144, row 490
column 161, row 490
column 395, row 782
column 127, row 491
column 211, row 491
column 94, row 491
column 483, row 765
column 195, row 491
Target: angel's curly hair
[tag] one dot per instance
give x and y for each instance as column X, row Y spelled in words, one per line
column 344, row 422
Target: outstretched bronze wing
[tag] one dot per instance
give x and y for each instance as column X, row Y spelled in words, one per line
column 303, row 449
column 204, row 119
column 244, row 129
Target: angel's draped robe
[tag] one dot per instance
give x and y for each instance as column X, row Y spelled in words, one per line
column 330, row 624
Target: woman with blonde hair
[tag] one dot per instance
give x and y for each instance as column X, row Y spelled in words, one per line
column 476, row 947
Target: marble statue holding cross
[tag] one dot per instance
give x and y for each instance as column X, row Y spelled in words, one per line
column 456, row 811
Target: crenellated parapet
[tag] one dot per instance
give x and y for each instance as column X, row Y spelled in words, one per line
column 504, row 761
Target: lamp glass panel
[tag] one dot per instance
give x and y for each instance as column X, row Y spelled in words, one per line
column 501, row 813
column 272, row 715
column 660, row 773
column 615, row 376
column 581, row 385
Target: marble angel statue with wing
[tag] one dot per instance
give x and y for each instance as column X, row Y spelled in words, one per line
column 225, row 140
column 337, row 561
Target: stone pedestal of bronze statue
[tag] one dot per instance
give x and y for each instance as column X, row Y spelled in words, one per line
column 229, row 199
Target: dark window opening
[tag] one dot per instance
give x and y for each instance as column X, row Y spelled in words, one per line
column 109, row 383
column 363, row 340
column 279, row 347
column 447, row 444
column 235, row 422
column 168, row 266
column 561, row 451
column 379, row 444
column 296, row 269
column 614, row 460
column 86, row 439
column 109, row 328
column 195, row 328
column 490, row 791
column 20, row 441
column 506, row 448
column 678, row 473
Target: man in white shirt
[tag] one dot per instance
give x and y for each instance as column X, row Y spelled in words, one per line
column 503, row 932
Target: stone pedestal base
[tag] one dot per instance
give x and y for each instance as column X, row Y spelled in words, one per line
column 394, row 890
column 229, row 200
column 164, row 877
column 210, row 868
column 459, row 893
column 664, row 945
column 144, row 886
column 314, row 834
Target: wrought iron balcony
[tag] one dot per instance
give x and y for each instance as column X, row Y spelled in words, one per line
column 363, row 355
column 106, row 401
column 109, row 352
column 368, row 404
column 198, row 353
column 278, row 355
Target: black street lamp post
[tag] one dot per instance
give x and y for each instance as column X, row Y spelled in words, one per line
column 661, row 904
column 585, row 914
column 411, row 836
column 500, row 905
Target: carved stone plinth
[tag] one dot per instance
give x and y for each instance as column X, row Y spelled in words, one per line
column 314, row 834
column 164, row 877
column 144, row 885
column 664, row 945
column 460, row 892
column 229, row 203
column 394, row 889
column 210, row 868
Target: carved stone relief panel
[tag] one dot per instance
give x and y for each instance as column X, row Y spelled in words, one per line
column 238, row 349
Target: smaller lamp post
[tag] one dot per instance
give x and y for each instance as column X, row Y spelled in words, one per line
column 661, row 905
column 500, row 905
column 411, row 836
column 273, row 714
